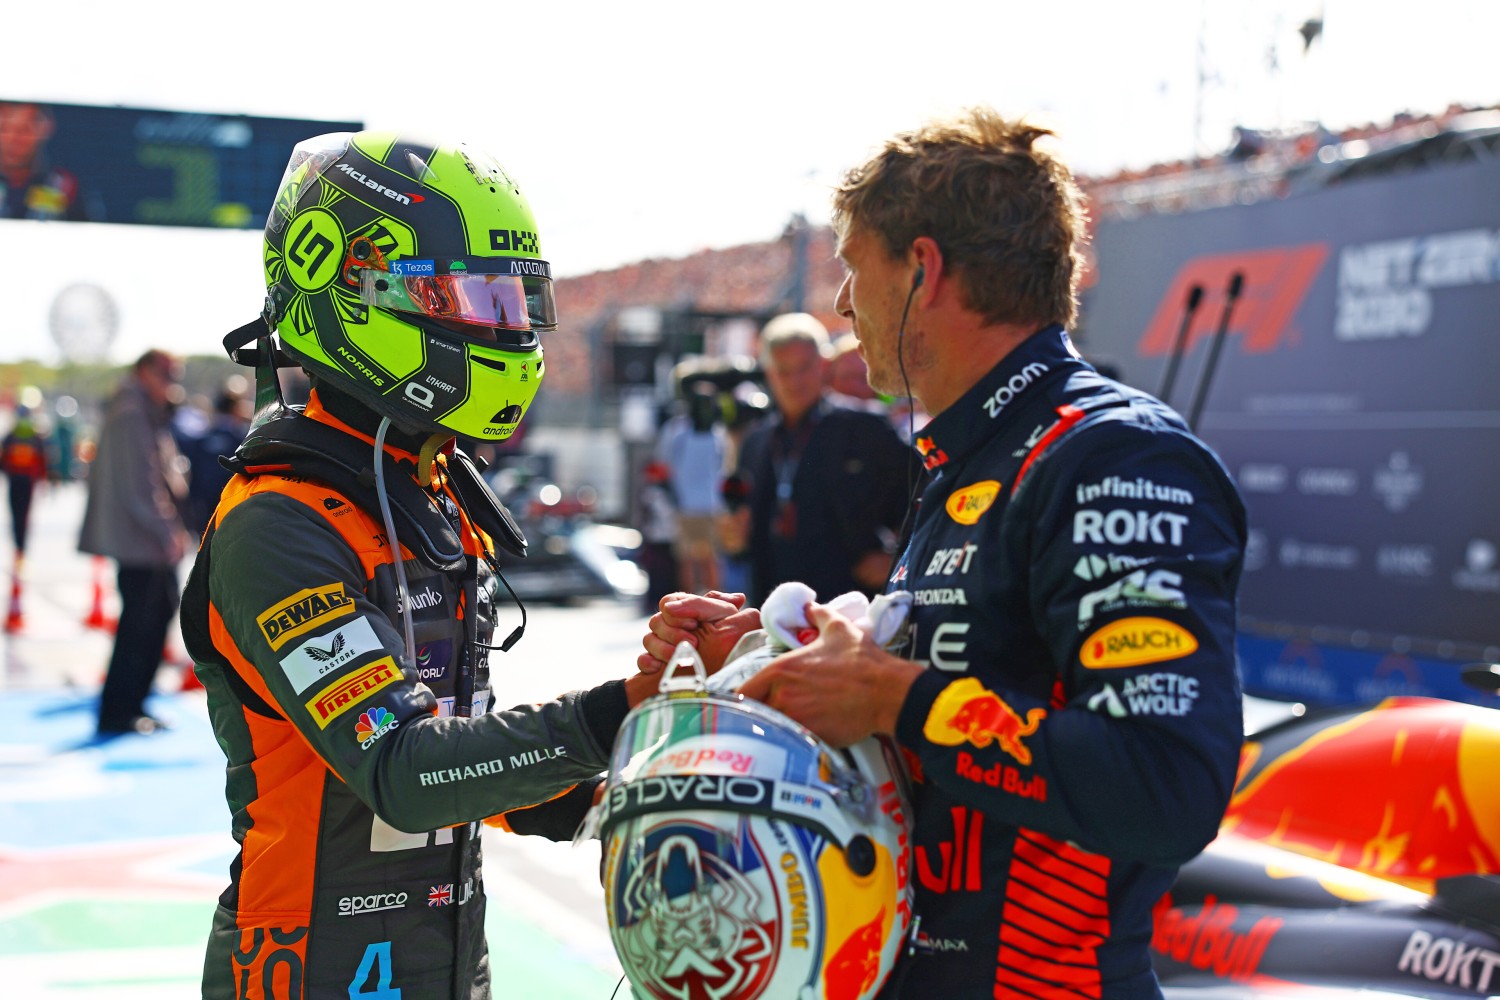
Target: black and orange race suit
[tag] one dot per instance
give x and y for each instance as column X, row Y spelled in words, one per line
column 1075, row 738
column 353, row 784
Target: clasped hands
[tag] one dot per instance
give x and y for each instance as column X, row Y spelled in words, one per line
column 840, row 685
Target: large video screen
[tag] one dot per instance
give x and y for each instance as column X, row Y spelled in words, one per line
column 144, row 166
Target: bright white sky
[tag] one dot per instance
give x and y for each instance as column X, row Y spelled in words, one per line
column 657, row 128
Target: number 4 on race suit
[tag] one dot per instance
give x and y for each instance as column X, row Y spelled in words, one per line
column 378, row 959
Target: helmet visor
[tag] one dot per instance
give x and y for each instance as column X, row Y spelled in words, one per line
column 504, row 301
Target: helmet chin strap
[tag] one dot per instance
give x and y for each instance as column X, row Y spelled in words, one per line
column 268, row 398
column 264, row 357
column 427, row 457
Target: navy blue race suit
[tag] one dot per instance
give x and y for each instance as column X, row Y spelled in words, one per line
column 1075, row 738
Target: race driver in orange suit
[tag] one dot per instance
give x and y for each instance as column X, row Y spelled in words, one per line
column 1067, row 698
column 345, row 597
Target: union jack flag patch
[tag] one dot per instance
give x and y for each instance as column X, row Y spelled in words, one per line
column 440, row 895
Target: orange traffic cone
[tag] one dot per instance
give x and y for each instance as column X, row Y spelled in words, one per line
column 174, row 656
column 14, row 621
column 96, row 617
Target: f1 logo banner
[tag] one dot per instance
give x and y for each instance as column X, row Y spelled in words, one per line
column 1354, row 394
column 1276, row 280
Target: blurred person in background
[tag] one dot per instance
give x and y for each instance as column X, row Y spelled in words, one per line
column 744, row 406
column 64, row 440
column 30, row 187
column 1076, row 545
column 826, row 486
column 133, row 515
column 220, row 436
column 658, row 526
column 23, row 459
column 694, row 446
column 848, row 378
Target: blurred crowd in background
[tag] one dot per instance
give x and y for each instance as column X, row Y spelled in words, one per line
column 66, row 431
column 660, row 362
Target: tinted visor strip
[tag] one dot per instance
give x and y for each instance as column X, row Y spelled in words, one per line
column 814, row 808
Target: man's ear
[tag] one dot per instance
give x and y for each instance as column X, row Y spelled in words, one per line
column 926, row 258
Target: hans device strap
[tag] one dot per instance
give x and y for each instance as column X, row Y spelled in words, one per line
column 295, row 445
column 481, row 504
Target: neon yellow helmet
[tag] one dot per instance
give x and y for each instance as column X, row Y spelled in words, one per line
column 410, row 276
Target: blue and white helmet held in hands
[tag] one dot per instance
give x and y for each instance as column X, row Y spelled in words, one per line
column 743, row 857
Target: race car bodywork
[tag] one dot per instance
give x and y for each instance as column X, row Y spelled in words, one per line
column 1357, row 858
